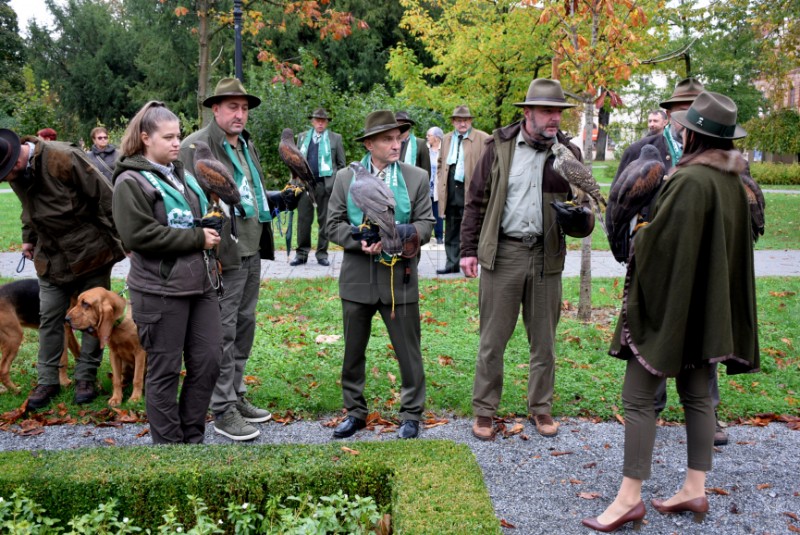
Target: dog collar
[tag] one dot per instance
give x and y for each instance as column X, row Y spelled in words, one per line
column 122, row 317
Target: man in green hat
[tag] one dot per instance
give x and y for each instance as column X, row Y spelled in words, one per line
column 324, row 151
column 413, row 150
column 68, row 232
column 231, row 144
column 511, row 230
column 373, row 282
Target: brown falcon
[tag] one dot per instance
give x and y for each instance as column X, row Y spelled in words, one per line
column 755, row 198
column 217, row 182
column 578, row 175
column 296, row 163
column 373, row 196
column 631, row 194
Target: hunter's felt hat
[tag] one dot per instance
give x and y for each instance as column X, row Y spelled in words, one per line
column 404, row 117
column 9, row 151
column 461, row 112
column 711, row 114
column 381, row 121
column 320, row 113
column 545, row 92
column 685, row 91
column 230, row 87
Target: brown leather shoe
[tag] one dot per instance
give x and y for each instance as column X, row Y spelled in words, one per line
column 545, row 425
column 483, row 428
column 41, row 395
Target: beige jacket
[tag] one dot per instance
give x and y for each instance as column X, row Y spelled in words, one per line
column 472, row 147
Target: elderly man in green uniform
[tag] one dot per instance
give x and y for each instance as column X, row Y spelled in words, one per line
column 324, row 151
column 371, row 281
column 68, row 232
column 241, row 261
column 510, row 228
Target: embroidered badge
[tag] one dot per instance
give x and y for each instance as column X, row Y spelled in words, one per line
column 699, row 121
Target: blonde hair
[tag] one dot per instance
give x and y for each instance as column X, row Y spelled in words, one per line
column 146, row 120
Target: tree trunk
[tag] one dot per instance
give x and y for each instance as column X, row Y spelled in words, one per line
column 585, row 296
column 603, row 117
column 203, row 72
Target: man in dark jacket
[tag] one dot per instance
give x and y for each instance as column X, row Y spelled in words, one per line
column 241, row 261
column 68, row 232
column 510, row 228
column 324, row 150
column 413, row 150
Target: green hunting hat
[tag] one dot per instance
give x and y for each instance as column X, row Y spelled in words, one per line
column 9, row 151
column 230, row 87
column 381, row 121
column 545, row 92
column 713, row 115
column 461, row 112
column 685, row 91
column 404, row 117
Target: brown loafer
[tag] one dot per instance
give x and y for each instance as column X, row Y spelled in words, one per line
column 483, row 428
column 545, row 425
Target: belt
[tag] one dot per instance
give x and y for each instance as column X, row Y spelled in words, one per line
column 529, row 240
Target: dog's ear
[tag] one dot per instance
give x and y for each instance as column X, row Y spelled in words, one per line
column 111, row 307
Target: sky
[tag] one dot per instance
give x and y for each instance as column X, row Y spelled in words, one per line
column 28, row 10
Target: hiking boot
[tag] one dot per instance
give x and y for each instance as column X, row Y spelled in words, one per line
column 545, row 425
column 85, row 392
column 231, row 424
column 251, row 413
column 483, row 428
column 720, row 436
column 41, row 395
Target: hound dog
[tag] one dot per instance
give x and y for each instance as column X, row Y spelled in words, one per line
column 19, row 307
column 106, row 316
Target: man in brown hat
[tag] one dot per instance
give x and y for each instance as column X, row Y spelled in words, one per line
column 231, row 144
column 670, row 147
column 457, row 158
column 510, row 229
column 68, row 232
column 413, row 150
column 324, row 151
column 372, row 281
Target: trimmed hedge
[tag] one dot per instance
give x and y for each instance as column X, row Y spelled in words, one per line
column 775, row 174
column 427, row 486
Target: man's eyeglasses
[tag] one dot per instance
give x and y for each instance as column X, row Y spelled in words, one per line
column 101, row 137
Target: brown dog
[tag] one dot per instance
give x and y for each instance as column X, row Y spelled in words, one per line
column 104, row 315
column 19, row 307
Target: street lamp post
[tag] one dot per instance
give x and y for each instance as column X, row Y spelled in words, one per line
column 237, row 28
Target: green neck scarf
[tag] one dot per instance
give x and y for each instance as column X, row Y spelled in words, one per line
column 179, row 211
column 249, row 201
column 411, row 150
column 675, row 150
column 323, row 151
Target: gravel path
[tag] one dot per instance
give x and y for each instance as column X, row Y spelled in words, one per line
column 538, row 492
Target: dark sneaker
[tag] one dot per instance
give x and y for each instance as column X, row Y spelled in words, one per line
column 85, row 392
column 231, row 424
column 251, row 413
column 41, row 395
column 720, row 436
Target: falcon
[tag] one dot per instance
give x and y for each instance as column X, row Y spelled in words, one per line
column 578, row 175
column 631, row 194
column 297, row 163
column 755, row 198
column 376, row 200
column 217, row 182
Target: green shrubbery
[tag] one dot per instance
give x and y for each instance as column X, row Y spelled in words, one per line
column 776, row 174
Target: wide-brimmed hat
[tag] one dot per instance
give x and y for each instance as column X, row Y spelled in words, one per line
column 320, row 113
column 404, row 117
column 9, row 151
column 381, row 121
column 461, row 112
column 230, row 87
column 685, row 91
column 545, row 92
column 711, row 114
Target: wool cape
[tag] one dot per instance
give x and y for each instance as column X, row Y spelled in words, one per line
column 689, row 296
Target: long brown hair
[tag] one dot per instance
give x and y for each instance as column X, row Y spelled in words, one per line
column 697, row 144
column 146, row 120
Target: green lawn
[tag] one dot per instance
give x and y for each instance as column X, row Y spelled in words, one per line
column 292, row 370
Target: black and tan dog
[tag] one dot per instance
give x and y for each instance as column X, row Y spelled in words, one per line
column 19, row 307
column 106, row 316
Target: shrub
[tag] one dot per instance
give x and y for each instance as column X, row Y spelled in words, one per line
column 773, row 174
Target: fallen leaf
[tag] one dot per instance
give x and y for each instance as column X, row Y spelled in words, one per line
column 560, row 453
column 327, row 338
column 717, row 490
column 576, row 481
column 590, row 465
column 763, row 486
column 143, row 433
column 110, row 441
column 392, row 378
column 791, row 515
column 515, row 430
column 251, row 380
column 350, row 451
column 444, row 360
column 384, row 527
column 507, row 525
column 793, row 528
column 588, row 495
column 620, row 418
